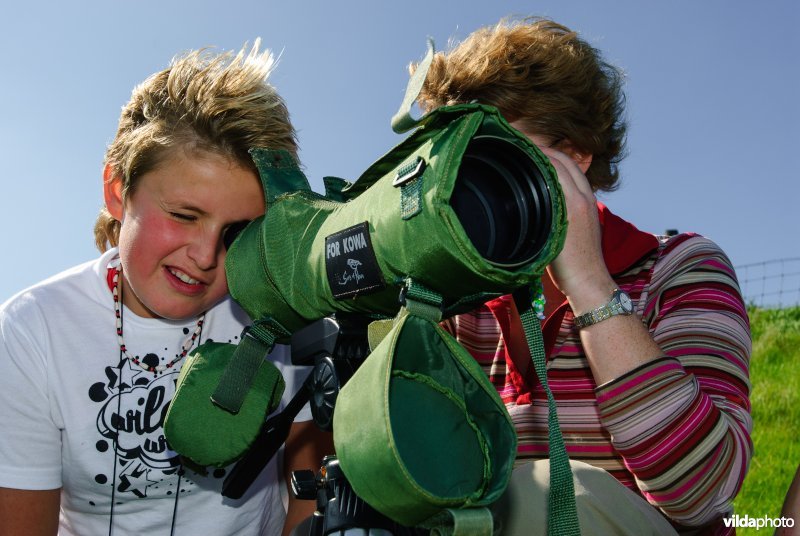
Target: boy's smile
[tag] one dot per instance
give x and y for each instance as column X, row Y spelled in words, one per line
column 173, row 223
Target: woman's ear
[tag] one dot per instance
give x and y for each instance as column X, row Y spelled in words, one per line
column 112, row 193
column 583, row 160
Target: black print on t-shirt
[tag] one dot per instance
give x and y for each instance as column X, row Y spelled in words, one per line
column 133, row 405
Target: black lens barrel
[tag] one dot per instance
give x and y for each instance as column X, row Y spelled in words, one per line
column 502, row 201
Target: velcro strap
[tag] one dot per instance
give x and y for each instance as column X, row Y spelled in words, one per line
column 462, row 522
column 255, row 343
column 421, row 301
column 279, row 172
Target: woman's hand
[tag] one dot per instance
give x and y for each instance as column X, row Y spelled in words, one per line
column 579, row 271
column 618, row 344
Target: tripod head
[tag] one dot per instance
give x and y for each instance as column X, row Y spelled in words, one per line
column 335, row 346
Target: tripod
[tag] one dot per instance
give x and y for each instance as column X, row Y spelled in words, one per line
column 335, row 346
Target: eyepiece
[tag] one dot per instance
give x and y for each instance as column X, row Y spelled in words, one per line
column 232, row 232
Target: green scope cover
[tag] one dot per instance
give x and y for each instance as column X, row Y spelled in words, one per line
column 353, row 250
column 419, row 428
column 312, row 255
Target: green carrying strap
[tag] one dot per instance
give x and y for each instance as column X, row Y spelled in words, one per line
column 282, row 170
column 421, row 301
column 562, row 512
column 416, row 300
column 256, row 341
column 402, row 120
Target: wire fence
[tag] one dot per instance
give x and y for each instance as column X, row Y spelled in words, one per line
column 771, row 284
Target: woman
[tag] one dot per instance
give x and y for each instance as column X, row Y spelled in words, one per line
column 647, row 337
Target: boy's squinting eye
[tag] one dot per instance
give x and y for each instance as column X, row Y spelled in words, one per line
column 183, row 217
column 233, row 230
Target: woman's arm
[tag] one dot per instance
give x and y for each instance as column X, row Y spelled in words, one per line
column 29, row 512
column 618, row 344
column 682, row 422
column 673, row 386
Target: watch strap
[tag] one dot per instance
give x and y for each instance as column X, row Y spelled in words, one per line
column 612, row 308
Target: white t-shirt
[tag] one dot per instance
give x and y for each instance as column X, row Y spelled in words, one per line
column 74, row 415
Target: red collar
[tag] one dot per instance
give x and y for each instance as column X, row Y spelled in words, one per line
column 622, row 243
column 110, row 278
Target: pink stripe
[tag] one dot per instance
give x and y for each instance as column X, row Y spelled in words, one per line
column 577, row 449
column 533, row 448
column 641, row 378
column 677, row 436
column 661, row 498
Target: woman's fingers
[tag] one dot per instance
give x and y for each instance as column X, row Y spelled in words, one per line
column 580, row 262
column 569, row 172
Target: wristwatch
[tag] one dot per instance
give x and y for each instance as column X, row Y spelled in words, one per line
column 620, row 304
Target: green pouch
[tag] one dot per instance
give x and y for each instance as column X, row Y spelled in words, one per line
column 419, row 429
column 203, row 428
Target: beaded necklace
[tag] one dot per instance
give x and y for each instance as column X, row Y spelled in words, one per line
column 185, row 347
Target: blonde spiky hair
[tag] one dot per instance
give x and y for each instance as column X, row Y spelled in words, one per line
column 218, row 103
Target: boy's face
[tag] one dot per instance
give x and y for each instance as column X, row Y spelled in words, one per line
column 171, row 239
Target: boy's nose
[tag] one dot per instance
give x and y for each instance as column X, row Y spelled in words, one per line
column 205, row 250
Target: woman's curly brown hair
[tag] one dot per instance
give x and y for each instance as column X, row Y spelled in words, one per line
column 542, row 74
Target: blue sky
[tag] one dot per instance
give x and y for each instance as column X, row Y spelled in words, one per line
column 712, row 90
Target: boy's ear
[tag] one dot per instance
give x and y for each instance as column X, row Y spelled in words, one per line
column 112, row 193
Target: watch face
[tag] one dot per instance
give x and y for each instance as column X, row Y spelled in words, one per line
column 625, row 302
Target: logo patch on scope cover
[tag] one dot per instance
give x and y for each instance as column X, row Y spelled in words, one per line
column 351, row 264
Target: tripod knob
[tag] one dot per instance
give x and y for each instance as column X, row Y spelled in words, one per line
column 304, row 484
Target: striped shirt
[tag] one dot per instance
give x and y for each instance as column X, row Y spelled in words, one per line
column 677, row 429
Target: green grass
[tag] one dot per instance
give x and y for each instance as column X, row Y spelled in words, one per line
column 775, row 377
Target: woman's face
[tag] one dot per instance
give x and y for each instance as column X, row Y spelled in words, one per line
column 171, row 238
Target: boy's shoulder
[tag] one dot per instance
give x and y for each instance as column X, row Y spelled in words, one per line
column 68, row 286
